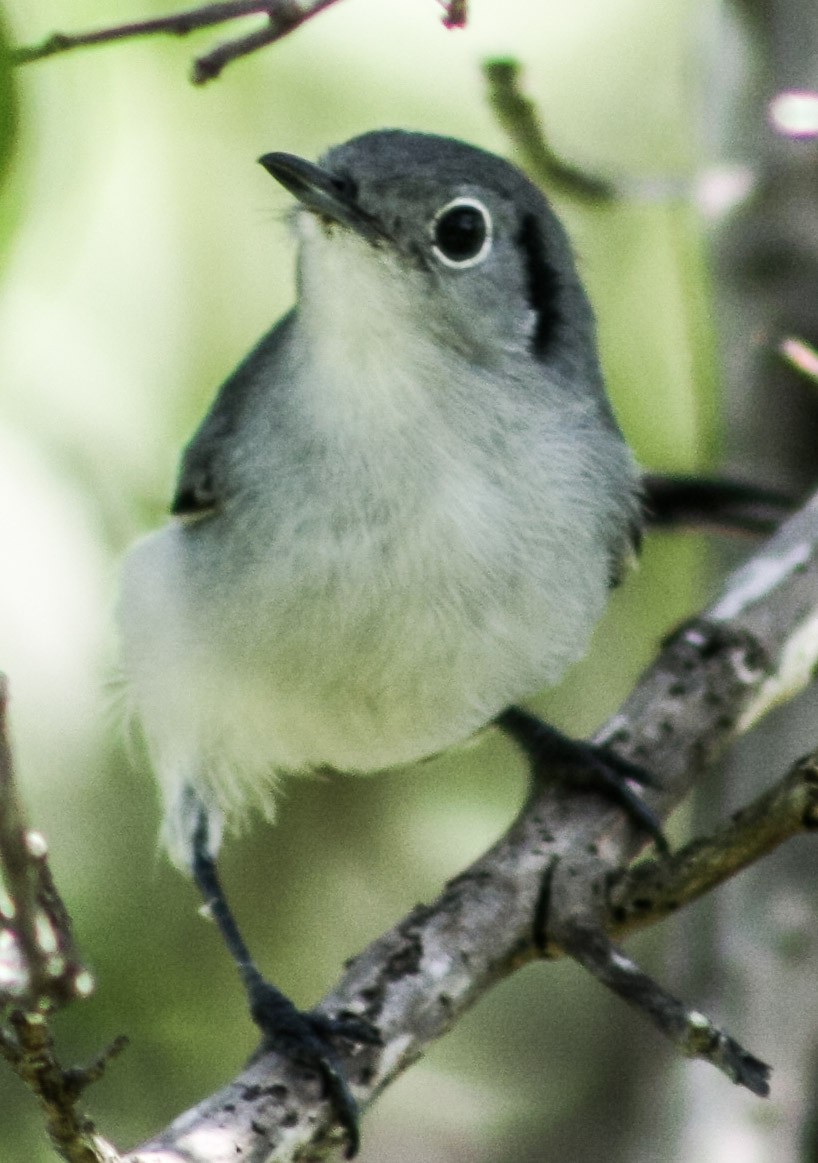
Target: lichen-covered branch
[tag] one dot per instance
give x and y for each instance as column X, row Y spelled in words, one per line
column 40, row 971
column 756, row 644
column 653, row 889
column 38, row 959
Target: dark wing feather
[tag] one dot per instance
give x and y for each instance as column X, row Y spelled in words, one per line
column 209, row 465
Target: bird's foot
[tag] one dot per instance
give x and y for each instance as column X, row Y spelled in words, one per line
column 308, row 1039
column 549, row 752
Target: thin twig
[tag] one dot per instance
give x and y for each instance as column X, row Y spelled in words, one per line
column 282, row 16
column 37, row 935
column 70, row 1130
column 176, row 24
column 41, row 971
column 456, row 14
column 79, row 1078
column 653, row 889
column 692, row 1031
column 518, row 116
column 17, row 853
column 208, row 66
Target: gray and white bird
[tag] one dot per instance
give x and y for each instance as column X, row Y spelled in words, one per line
column 402, row 514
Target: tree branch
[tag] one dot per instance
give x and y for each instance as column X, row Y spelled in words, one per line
column 518, row 116
column 282, row 17
column 40, row 971
column 456, row 13
column 757, row 644
column 653, row 889
column 42, row 962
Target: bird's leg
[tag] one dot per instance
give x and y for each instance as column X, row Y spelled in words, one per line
column 304, row 1037
column 551, row 753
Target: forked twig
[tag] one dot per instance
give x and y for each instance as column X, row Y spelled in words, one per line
column 281, row 18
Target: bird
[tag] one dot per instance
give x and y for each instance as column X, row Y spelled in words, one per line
column 401, row 517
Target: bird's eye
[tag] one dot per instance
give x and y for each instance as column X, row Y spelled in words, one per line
column 462, row 233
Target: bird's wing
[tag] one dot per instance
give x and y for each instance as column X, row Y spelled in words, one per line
column 209, row 462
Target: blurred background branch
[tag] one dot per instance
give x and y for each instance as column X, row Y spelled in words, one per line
column 760, row 60
column 35, row 927
column 520, row 119
column 282, row 18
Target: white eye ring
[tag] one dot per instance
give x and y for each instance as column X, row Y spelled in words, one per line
column 470, row 260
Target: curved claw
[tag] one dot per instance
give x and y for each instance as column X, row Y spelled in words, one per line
column 591, row 763
column 632, row 771
column 337, row 1091
column 350, row 1026
column 611, row 774
column 307, row 1038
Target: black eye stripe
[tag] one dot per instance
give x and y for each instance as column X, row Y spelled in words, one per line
column 543, row 286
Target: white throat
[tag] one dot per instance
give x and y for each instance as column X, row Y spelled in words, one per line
column 372, row 358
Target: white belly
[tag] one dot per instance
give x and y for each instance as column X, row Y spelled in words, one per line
column 350, row 649
column 395, row 561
